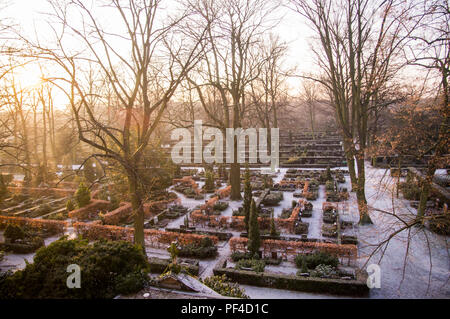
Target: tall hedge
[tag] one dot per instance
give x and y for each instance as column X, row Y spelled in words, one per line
column 254, row 240
column 247, row 198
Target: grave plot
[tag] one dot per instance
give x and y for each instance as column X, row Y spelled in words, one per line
column 188, row 187
column 292, row 227
column 43, row 203
column 301, row 266
column 29, row 218
column 26, row 235
column 197, row 215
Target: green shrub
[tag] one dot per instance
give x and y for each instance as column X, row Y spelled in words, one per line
column 209, row 182
column 329, row 186
column 107, row 269
column 303, row 266
column 301, row 228
column 70, row 206
column 131, row 283
column 14, row 232
column 255, row 264
column 272, row 262
column 220, row 206
column 223, row 286
column 237, row 255
column 206, row 249
column 21, row 241
column 314, row 184
column 286, row 213
column 273, row 228
column 82, row 195
column 273, row 199
column 293, row 160
column 316, row 259
column 324, row 271
column 25, row 246
column 254, row 238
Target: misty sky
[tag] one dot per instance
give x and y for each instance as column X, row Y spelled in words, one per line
column 28, row 13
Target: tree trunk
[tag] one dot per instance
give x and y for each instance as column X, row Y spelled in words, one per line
column 399, row 176
column 425, row 193
column 351, row 165
column 364, row 217
column 25, row 144
column 311, row 118
column 44, row 143
column 235, row 181
column 35, row 130
column 51, row 122
column 138, row 211
column 235, row 167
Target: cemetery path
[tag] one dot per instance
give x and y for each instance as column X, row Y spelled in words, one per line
column 315, row 222
column 207, row 267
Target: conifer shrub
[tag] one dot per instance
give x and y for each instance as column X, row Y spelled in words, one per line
column 70, row 206
column 316, row 259
column 107, row 269
column 82, row 195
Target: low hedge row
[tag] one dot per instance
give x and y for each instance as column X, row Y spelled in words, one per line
column 220, row 235
column 306, row 284
column 48, row 227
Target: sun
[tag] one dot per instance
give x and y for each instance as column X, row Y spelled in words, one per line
column 31, row 77
column 28, row 76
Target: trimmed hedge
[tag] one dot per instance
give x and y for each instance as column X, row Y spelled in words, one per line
column 306, row 284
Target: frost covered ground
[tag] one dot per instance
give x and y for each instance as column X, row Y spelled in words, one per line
column 412, row 281
column 424, row 273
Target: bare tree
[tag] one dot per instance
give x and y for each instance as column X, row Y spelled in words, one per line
column 430, row 49
column 310, row 96
column 269, row 93
column 143, row 62
column 231, row 63
column 359, row 42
